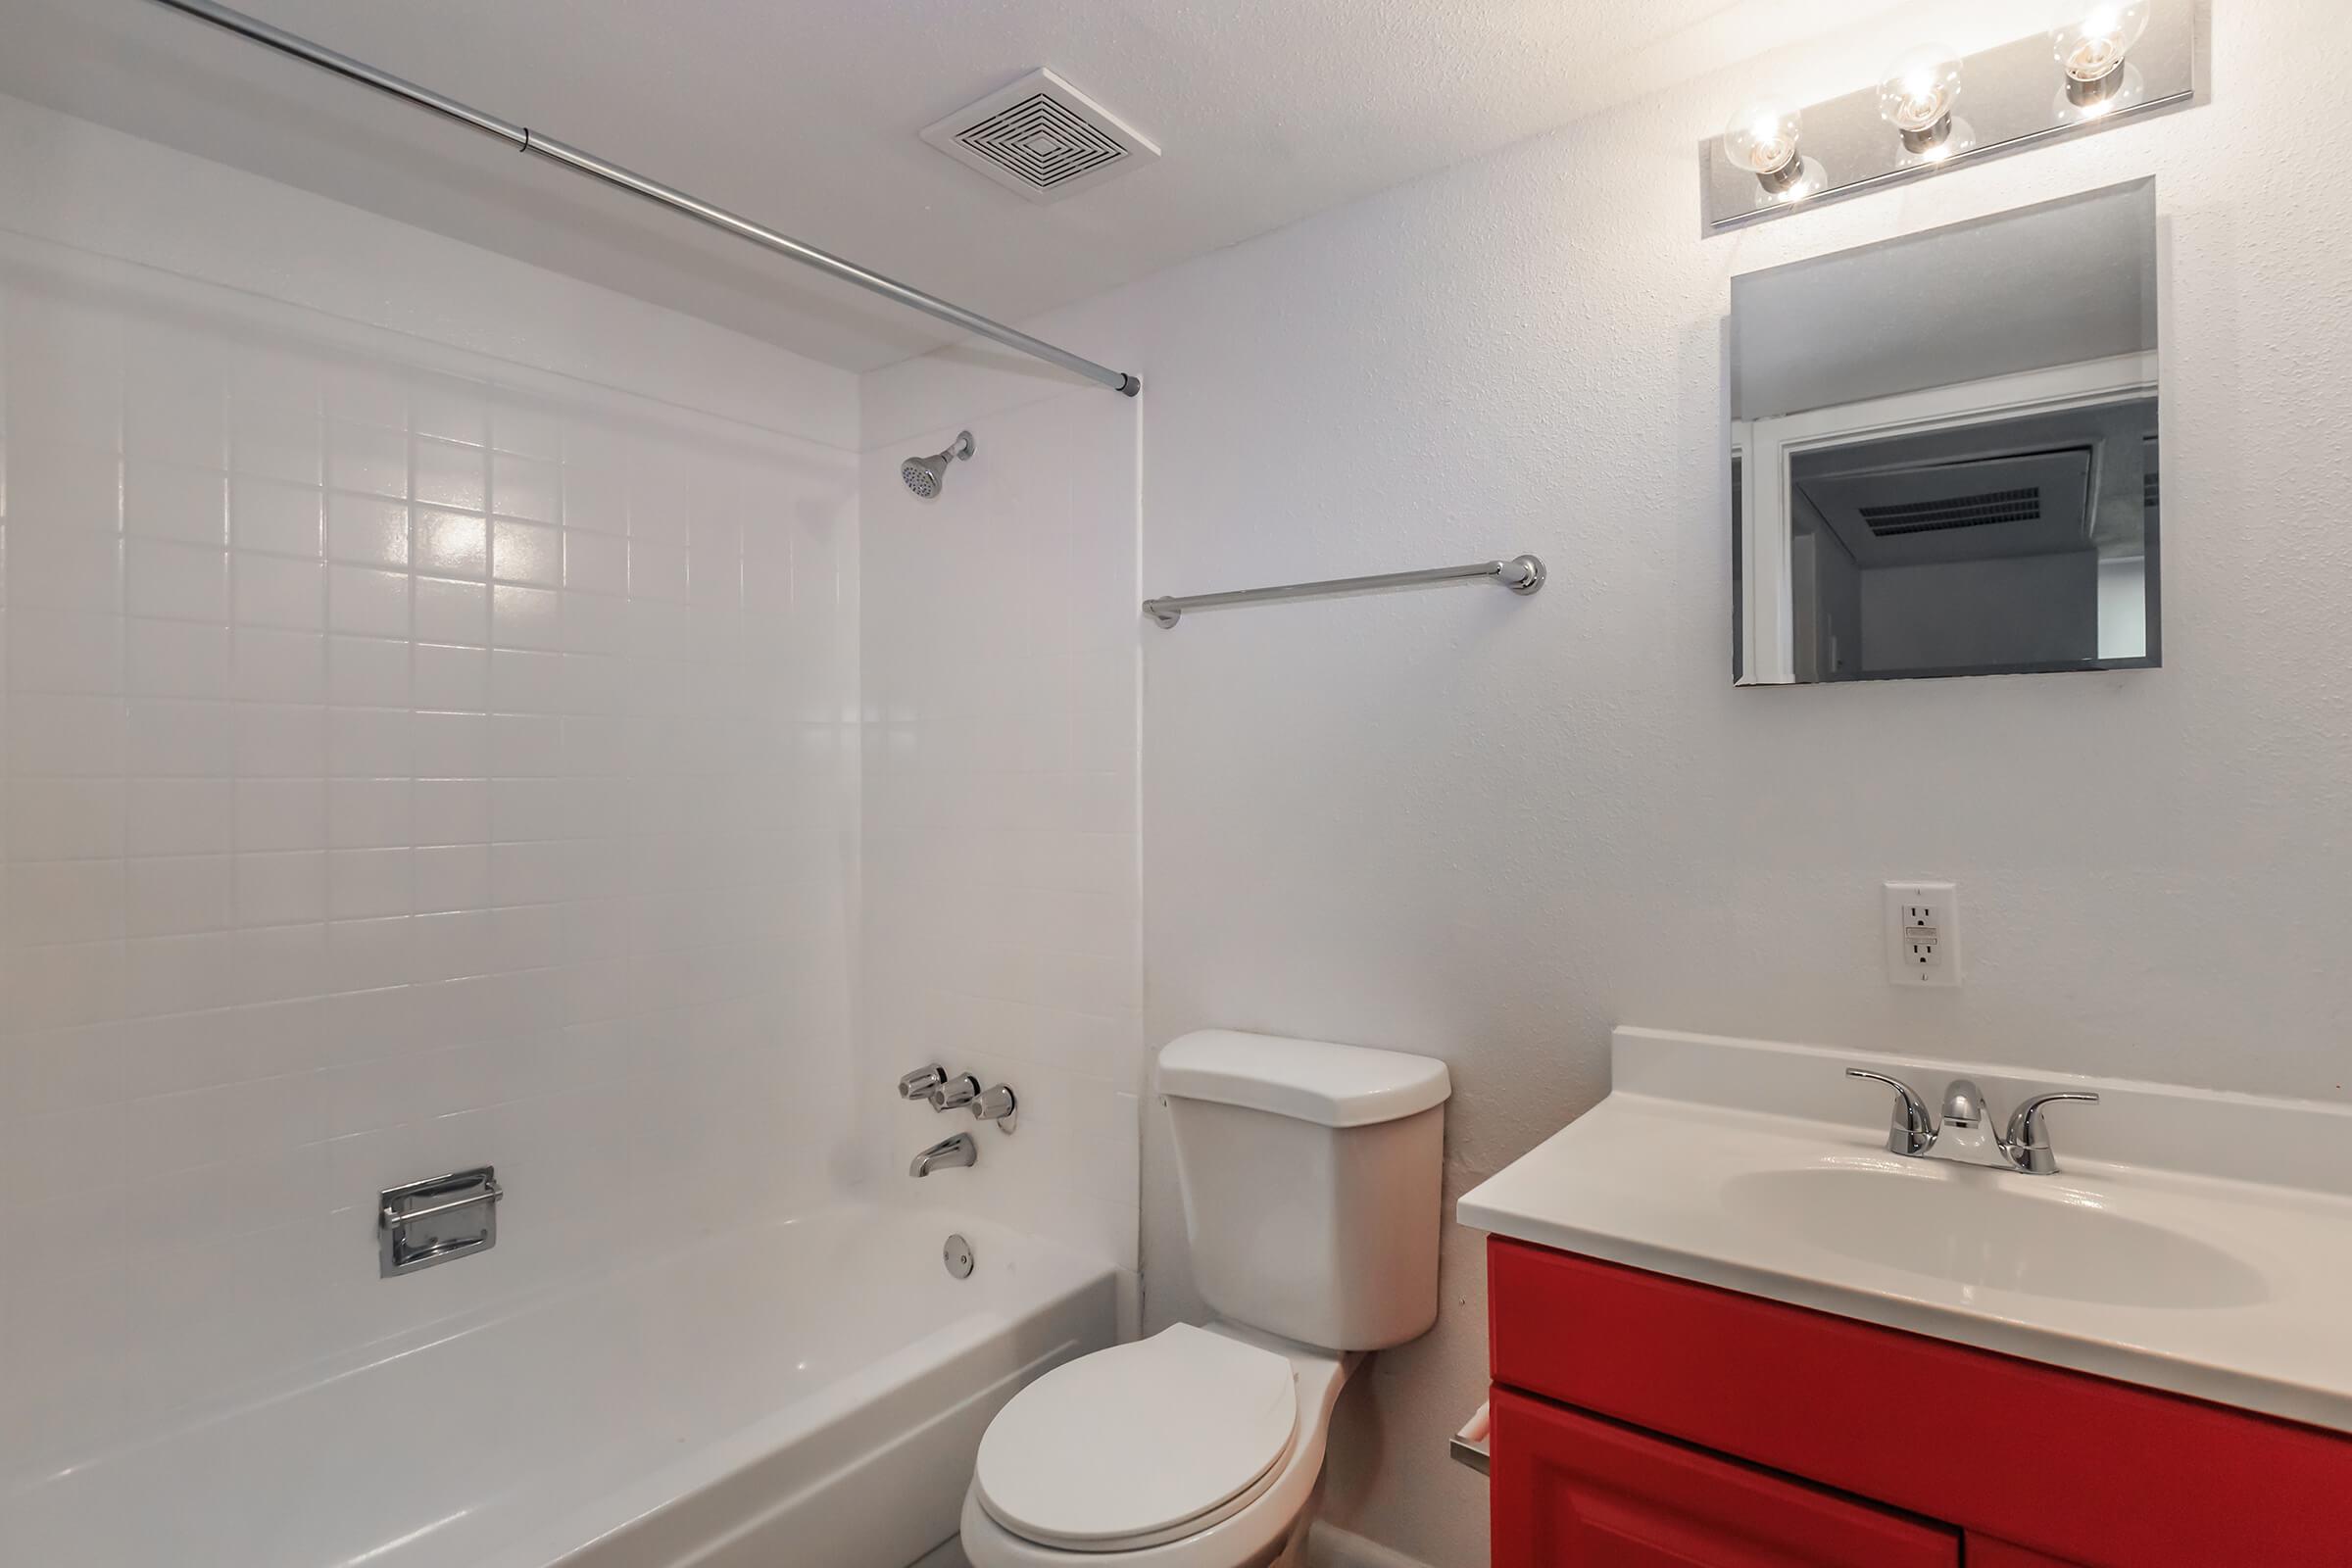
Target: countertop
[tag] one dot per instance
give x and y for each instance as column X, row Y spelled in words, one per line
column 2214, row 1282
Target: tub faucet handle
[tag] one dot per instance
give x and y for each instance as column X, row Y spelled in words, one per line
column 956, row 1093
column 921, row 1082
column 998, row 1105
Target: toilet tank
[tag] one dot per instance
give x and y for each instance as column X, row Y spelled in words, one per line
column 1311, row 1175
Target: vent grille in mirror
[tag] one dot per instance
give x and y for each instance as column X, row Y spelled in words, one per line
column 1957, row 512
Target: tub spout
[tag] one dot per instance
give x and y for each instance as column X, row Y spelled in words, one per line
column 956, row 1150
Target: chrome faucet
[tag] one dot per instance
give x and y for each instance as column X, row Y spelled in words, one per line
column 961, row 1093
column 953, row 1094
column 1963, row 1132
column 960, row 1150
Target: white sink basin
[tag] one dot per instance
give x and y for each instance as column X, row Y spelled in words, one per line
column 1985, row 1228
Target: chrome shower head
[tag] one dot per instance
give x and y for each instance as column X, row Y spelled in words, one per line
column 924, row 475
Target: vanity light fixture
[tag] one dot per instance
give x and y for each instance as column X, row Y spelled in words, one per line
column 2094, row 54
column 2116, row 61
column 2095, row 48
column 1917, row 95
column 1766, row 140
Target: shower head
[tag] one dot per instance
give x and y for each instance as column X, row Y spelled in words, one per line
column 924, row 475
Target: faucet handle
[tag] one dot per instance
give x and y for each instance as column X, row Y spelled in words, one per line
column 2028, row 1145
column 956, row 1093
column 921, row 1082
column 999, row 1106
column 1908, row 1130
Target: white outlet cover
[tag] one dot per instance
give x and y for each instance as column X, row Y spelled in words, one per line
column 1923, row 934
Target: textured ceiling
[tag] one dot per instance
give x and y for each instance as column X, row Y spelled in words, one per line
column 806, row 116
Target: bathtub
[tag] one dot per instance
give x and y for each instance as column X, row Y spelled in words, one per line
column 809, row 1392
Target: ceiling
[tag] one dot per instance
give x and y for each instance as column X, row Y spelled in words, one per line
column 807, row 117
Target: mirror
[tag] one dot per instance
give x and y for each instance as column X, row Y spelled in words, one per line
column 1944, row 451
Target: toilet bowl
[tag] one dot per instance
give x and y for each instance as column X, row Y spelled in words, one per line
column 1310, row 1172
column 1197, row 1447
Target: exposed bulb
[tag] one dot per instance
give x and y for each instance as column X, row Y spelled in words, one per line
column 1917, row 95
column 2094, row 48
column 1762, row 138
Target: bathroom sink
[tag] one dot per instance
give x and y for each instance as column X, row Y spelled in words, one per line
column 2188, row 1241
column 1982, row 1229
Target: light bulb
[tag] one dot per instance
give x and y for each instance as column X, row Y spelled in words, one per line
column 1762, row 138
column 1916, row 94
column 2092, row 48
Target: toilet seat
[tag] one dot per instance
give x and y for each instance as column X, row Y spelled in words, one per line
column 1140, row 1445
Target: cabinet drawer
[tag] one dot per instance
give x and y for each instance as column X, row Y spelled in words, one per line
column 1574, row 1491
column 2074, row 1467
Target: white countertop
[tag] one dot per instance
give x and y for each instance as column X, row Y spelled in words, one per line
column 2200, row 1244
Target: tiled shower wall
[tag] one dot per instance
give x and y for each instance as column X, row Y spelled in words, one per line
column 411, row 761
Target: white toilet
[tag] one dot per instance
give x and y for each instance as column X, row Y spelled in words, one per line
column 1311, row 1179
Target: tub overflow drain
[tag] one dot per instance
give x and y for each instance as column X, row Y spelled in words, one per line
column 958, row 1255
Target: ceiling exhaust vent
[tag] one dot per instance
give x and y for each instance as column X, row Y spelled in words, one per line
column 1958, row 511
column 1042, row 137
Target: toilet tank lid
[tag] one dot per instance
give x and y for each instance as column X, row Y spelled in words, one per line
column 1308, row 1080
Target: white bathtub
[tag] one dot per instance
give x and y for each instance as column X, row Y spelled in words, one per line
column 807, row 1394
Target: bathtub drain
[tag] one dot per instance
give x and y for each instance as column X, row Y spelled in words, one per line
column 958, row 1256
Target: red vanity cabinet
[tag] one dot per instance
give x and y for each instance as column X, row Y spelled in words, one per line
column 1642, row 1420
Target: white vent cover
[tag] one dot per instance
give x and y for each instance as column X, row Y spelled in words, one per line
column 1042, row 137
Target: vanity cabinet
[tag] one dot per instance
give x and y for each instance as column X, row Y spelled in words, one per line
column 1642, row 1421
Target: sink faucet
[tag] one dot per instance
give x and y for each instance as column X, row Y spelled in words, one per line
column 1963, row 1133
column 960, row 1150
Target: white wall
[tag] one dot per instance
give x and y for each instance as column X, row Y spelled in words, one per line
column 1001, row 897
column 428, row 717
column 1460, row 822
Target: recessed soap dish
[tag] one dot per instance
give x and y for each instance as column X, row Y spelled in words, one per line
column 436, row 1221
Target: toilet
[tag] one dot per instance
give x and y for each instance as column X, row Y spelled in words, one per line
column 1309, row 1174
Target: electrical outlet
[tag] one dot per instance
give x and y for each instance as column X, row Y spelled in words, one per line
column 1923, row 934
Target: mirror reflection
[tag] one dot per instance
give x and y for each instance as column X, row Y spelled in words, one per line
column 1945, row 452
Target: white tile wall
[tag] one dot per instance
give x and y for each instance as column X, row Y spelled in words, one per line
column 999, row 672
column 407, row 765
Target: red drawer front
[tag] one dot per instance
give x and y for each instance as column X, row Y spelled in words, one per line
column 2075, row 1467
column 1573, row 1491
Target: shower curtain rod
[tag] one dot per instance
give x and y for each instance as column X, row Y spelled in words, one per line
column 653, row 190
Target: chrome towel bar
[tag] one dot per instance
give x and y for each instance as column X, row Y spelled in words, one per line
column 1473, row 1444
column 1521, row 574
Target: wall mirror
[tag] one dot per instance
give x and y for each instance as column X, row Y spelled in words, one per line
column 1944, row 451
